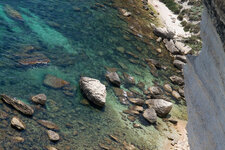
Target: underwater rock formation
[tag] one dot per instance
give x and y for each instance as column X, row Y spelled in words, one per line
column 205, row 82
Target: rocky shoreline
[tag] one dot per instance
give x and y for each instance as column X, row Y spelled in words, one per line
column 146, row 105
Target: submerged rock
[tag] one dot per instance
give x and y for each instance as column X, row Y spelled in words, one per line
column 33, row 59
column 137, row 101
column 125, row 13
column 50, row 148
column 129, row 79
column 13, row 13
column 55, row 82
column 94, row 90
column 114, row 78
column 48, row 124
column 18, row 105
column 17, row 123
column 161, row 106
column 39, row 99
column 167, row 88
column 53, row 136
column 150, row 115
column 17, row 139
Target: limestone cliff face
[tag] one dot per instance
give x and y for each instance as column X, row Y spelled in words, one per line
column 205, row 82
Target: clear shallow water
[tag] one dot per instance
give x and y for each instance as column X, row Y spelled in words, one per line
column 78, row 43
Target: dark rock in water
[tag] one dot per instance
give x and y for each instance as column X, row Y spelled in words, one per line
column 161, row 106
column 48, row 124
column 77, row 9
column 55, row 82
column 150, row 115
column 120, row 92
column 129, row 79
column 53, row 136
column 17, row 123
column 181, row 91
column 39, row 99
column 113, row 78
column 3, row 115
column 155, row 63
column 137, row 101
column 33, row 59
column 94, row 90
column 18, row 105
column 13, row 13
column 178, row 64
column 177, row 80
column 141, row 85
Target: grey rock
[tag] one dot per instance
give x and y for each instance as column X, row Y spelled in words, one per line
column 170, row 46
column 155, row 90
column 177, row 80
column 39, row 99
column 161, row 106
column 181, row 91
column 163, row 32
column 150, row 115
column 94, row 90
column 114, row 78
column 181, row 58
column 178, row 64
column 18, row 105
column 53, row 136
column 184, row 49
column 17, row 123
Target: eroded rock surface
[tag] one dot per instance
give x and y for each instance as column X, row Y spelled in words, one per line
column 94, row 90
column 205, row 82
column 18, row 105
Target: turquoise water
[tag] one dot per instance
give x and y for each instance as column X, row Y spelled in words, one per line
column 78, row 43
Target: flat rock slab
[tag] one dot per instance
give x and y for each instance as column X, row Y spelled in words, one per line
column 94, row 90
column 53, row 136
column 39, row 99
column 18, row 105
column 55, row 82
column 48, row 124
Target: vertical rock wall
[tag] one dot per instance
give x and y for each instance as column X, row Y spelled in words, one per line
column 205, row 82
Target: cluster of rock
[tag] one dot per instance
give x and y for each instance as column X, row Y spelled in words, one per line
column 25, row 109
column 177, row 49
